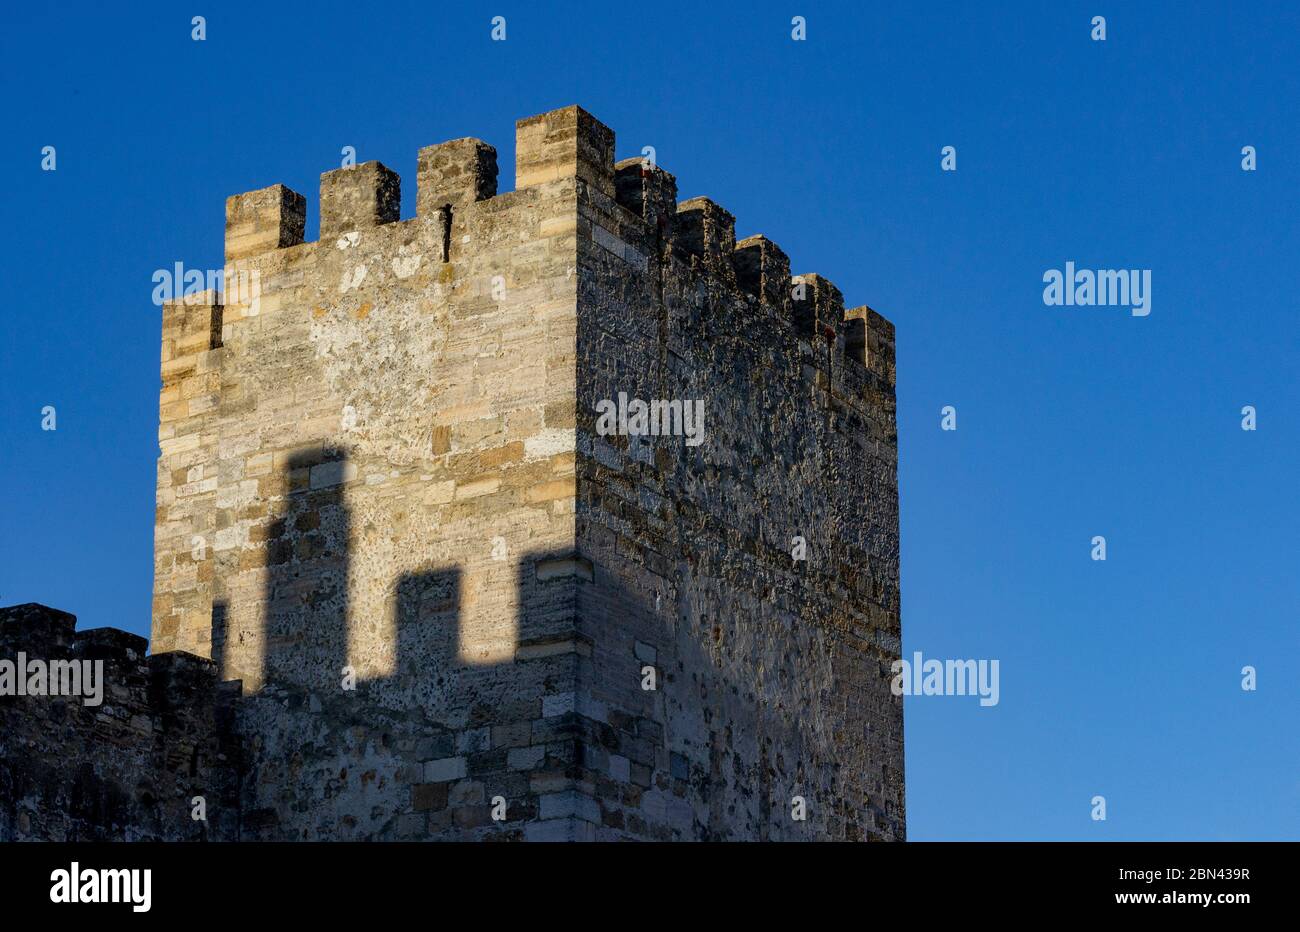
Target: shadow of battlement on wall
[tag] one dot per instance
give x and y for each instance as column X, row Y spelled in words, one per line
column 334, row 750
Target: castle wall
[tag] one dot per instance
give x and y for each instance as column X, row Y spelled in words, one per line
column 128, row 768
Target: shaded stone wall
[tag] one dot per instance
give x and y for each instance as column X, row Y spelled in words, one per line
column 128, row 768
column 773, row 674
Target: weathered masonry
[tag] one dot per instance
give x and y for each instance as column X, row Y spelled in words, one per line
column 403, row 584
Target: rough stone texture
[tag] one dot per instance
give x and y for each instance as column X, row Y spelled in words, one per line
column 455, row 174
column 773, row 673
column 381, row 470
column 126, row 769
column 357, row 197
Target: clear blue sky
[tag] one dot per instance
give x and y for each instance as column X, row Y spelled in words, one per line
column 1119, row 678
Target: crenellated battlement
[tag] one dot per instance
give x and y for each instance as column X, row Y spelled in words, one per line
column 141, row 680
column 566, row 146
column 48, row 634
column 136, row 734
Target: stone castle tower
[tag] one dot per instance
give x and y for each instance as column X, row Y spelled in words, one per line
column 407, row 581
